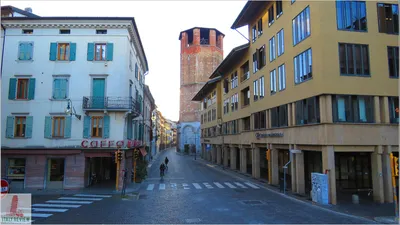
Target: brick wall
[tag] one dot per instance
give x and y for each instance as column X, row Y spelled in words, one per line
column 35, row 166
column 74, row 174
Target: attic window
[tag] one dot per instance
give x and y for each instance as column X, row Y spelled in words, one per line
column 65, row 31
column 27, row 31
column 101, row 31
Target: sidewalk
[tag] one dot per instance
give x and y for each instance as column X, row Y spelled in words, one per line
column 374, row 212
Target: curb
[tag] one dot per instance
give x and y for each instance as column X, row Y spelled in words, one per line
column 270, row 188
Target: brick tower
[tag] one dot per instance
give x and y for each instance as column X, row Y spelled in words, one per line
column 201, row 53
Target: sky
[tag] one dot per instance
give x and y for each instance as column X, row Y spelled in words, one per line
column 159, row 24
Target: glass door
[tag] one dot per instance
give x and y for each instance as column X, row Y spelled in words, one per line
column 55, row 173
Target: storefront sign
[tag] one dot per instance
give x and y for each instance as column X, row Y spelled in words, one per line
column 110, row 144
column 259, row 135
column 205, row 140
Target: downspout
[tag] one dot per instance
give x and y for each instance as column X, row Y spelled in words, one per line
column 2, row 50
column 143, row 87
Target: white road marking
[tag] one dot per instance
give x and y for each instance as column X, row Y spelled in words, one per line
column 252, row 185
column 48, row 210
column 69, row 202
column 173, row 186
column 240, row 185
column 57, row 205
column 43, row 215
column 197, row 186
column 162, row 187
column 229, row 185
column 219, row 185
column 98, row 196
column 208, row 186
column 150, row 187
column 83, row 199
column 185, row 186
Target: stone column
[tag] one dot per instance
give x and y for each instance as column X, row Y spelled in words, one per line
column 219, row 154
column 274, row 167
column 292, row 168
column 387, row 174
column 385, row 116
column 300, row 181
column 233, row 157
column 328, row 163
column 255, row 163
column 243, row 160
column 213, row 154
column 226, row 155
column 377, row 110
column 377, row 177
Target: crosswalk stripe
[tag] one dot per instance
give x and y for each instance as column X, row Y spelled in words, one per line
column 240, row 185
column 162, row 187
column 95, row 196
column 43, row 215
column 197, row 186
column 219, row 185
column 48, row 210
column 208, row 186
column 150, row 187
column 252, row 185
column 173, row 186
column 83, row 199
column 69, row 202
column 229, row 185
column 185, row 186
column 57, row 205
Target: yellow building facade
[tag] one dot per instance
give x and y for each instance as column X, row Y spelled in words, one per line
column 317, row 85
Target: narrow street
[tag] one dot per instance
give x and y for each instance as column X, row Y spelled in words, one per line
column 191, row 192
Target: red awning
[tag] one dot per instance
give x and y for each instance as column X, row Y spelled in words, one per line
column 143, row 151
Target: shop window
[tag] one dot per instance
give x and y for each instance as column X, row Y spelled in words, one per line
column 16, row 169
column 353, row 109
column 307, row 111
column 394, row 109
column 56, row 169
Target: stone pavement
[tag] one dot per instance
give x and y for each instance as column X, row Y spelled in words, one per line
column 381, row 213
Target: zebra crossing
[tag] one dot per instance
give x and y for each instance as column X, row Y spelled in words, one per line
column 63, row 204
column 200, row 186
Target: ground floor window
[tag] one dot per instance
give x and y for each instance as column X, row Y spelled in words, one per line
column 16, row 169
column 353, row 170
column 56, row 169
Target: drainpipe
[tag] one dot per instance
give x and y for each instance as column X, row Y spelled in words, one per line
column 143, row 87
column 2, row 50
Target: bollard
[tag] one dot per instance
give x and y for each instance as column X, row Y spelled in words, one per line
column 355, row 199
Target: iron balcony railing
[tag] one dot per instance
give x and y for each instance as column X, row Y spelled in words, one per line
column 111, row 103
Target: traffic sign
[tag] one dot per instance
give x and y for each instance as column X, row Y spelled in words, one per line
column 4, row 187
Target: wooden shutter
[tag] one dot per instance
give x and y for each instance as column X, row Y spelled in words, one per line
column 31, row 88
column 86, row 126
column 106, row 127
column 48, row 127
column 67, row 126
column 90, row 52
column 72, row 51
column 53, row 51
column 28, row 127
column 109, row 51
column 10, row 127
column 12, row 90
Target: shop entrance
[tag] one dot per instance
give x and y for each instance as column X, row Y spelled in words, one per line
column 353, row 175
column 237, row 158
column 101, row 172
column 283, row 158
column 312, row 164
column 55, row 173
column 263, row 163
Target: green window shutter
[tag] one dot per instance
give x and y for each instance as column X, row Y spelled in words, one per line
column 28, row 127
column 21, row 51
column 63, row 88
column 53, row 51
column 106, row 127
column 90, row 51
column 110, row 51
column 86, row 126
column 67, row 127
column 29, row 51
column 10, row 127
column 48, row 125
column 56, row 89
column 72, row 51
column 31, row 88
column 12, row 90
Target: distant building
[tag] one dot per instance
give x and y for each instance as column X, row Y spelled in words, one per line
column 201, row 53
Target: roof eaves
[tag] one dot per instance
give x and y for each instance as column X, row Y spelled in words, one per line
column 210, row 84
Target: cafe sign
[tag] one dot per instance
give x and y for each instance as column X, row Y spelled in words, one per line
column 260, row 135
column 110, row 144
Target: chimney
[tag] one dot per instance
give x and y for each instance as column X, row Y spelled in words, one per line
column 29, row 9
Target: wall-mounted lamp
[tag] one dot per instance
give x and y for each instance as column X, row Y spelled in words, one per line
column 70, row 110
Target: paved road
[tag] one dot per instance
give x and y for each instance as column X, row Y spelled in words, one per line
column 192, row 192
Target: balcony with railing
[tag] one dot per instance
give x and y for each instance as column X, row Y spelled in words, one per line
column 92, row 103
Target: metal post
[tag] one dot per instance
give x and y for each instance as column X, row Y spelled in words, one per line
column 284, row 176
column 117, row 180
column 134, row 171
column 396, row 207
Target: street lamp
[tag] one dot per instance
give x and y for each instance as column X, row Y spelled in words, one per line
column 70, row 110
